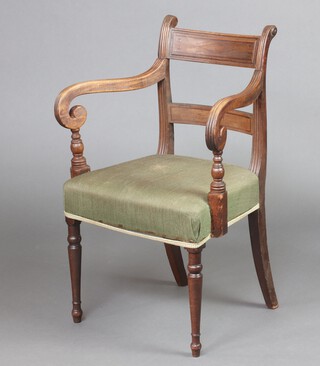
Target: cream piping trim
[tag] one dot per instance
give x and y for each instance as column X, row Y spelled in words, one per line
column 157, row 238
column 240, row 217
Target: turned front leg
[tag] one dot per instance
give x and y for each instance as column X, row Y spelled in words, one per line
column 195, row 296
column 74, row 251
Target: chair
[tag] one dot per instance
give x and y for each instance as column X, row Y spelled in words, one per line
column 177, row 200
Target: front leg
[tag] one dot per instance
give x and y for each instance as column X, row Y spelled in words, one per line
column 195, row 296
column 74, row 251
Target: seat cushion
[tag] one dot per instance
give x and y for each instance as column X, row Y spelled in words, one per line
column 160, row 195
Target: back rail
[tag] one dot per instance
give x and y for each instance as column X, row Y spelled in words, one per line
column 213, row 48
column 197, row 114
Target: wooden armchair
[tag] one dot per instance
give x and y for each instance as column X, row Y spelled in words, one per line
column 175, row 199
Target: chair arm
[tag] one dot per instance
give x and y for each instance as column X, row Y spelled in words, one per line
column 215, row 133
column 216, row 138
column 75, row 117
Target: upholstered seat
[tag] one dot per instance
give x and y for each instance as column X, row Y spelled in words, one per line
column 157, row 196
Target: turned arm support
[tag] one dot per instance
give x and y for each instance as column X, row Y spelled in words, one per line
column 75, row 117
column 216, row 136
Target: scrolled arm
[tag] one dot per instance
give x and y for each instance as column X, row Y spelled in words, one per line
column 215, row 133
column 75, row 117
column 216, row 138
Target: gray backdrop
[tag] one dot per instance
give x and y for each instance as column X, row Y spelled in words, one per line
column 134, row 313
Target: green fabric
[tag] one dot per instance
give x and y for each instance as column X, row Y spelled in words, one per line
column 161, row 195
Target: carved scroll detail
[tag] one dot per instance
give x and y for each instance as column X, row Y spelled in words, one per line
column 267, row 35
column 76, row 116
column 169, row 22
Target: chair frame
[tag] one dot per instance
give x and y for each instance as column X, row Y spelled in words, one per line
column 216, row 48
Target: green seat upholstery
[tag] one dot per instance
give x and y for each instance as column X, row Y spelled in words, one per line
column 161, row 195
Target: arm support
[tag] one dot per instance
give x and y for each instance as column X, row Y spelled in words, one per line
column 75, row 117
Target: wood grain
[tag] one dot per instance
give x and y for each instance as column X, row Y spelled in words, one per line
column 195, row 296
column 196, row 114
column 213, row 48
column 176, row 264
column 74, row 251
column 259, row 246
column 78, row 116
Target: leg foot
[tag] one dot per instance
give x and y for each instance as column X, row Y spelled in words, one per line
column 258, row 235
column 74, row 251
column 195, row 296
column 176, row 264
column 195, row 349
column 76, row 313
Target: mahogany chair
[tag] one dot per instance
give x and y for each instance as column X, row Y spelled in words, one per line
column 175, row 199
